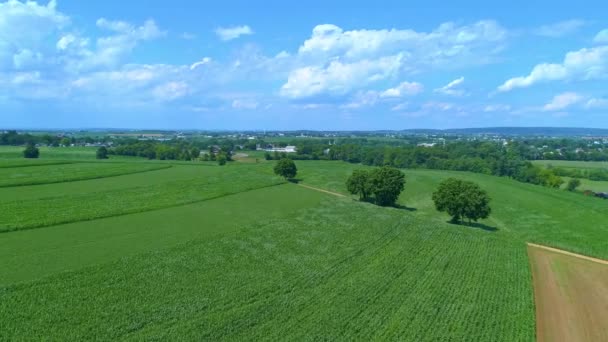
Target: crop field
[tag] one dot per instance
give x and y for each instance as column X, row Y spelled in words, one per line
column 572, row 164
column 196, row 251
column 43, row 174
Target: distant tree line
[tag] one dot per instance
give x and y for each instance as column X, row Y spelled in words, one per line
column 480, row 157
column 13, row 138
column 157, row 150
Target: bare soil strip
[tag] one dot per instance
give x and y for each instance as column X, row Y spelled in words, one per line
column 601, row 261
column 571, row 295
column 321, row 190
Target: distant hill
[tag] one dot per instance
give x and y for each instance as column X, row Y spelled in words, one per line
column 525, row 131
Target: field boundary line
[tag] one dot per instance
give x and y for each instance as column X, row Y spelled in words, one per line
column 561, row 251
column 322, row 190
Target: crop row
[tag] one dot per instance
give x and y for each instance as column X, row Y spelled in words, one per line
column 27, row 214
column 58, row 173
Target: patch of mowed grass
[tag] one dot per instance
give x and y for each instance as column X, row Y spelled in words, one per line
column 529, row 213
column 341, row 270
column 572, row 164
column 61, row 207
column 37, row 253
column 45, row 174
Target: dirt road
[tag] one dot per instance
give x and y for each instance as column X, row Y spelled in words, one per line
column 571, row 295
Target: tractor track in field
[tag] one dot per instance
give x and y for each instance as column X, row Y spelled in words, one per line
column 561, row 251
column 322, row 190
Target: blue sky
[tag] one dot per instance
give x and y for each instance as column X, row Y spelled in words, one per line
column 305, row 65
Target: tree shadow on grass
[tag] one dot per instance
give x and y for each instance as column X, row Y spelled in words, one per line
column 294, row 180
column 475, row 225
column 403, row 207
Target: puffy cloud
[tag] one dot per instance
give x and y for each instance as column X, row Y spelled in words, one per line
column 584, row 64
column 601, row 37
column 338, row 78
column 230, row 33
column 334, row 61
column 25, row 28
column 560, row 29
column 403, row 89
column 563, row 101
column 445, row 42
column 452, row 88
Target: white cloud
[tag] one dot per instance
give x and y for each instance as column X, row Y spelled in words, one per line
column 563, row 101
column 560, row 29
column 205, row 60
column 25, row 29
column 245, row 104
column 335, row 62
column 595, row 103
column 338, row 78
column 400, row 107
column 445, row 42
column 230, row 33
column 584, row 64
column 403, row 89
column 497, row 108
column 452, row 88
column 171, row 91
column 438, row 106
column 601, row 37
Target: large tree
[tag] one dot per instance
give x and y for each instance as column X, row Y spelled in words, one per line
column 286, row 168
column 359, row 183
column 387, row 183
column 462, row 200
column 102, row 153
column 573, row 183
column 31, row 151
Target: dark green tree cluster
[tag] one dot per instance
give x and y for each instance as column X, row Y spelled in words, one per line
column 286, row 168
column 157, row 150
column 381, row 186
column 462, row 200
column 31, row 151
column 573, row 184
column 102, row 153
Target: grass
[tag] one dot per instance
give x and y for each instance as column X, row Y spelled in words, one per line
column 311, row 275
column 248, row 261
column 573, row 164
column 523, row 211
column 63, row 207
column 44, row 174
column 32, row 254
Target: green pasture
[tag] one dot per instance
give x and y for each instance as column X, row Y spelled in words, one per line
column 202, row 252
column 571, row 164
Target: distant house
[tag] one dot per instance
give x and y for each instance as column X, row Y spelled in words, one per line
column 426, row 144
column 286, row 149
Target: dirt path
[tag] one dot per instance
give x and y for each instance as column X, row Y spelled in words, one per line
column 321, row 190
column 601, row 261
column 571, row 295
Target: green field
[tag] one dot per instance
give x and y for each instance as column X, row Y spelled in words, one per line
column 572, row 164
column 203, row 252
